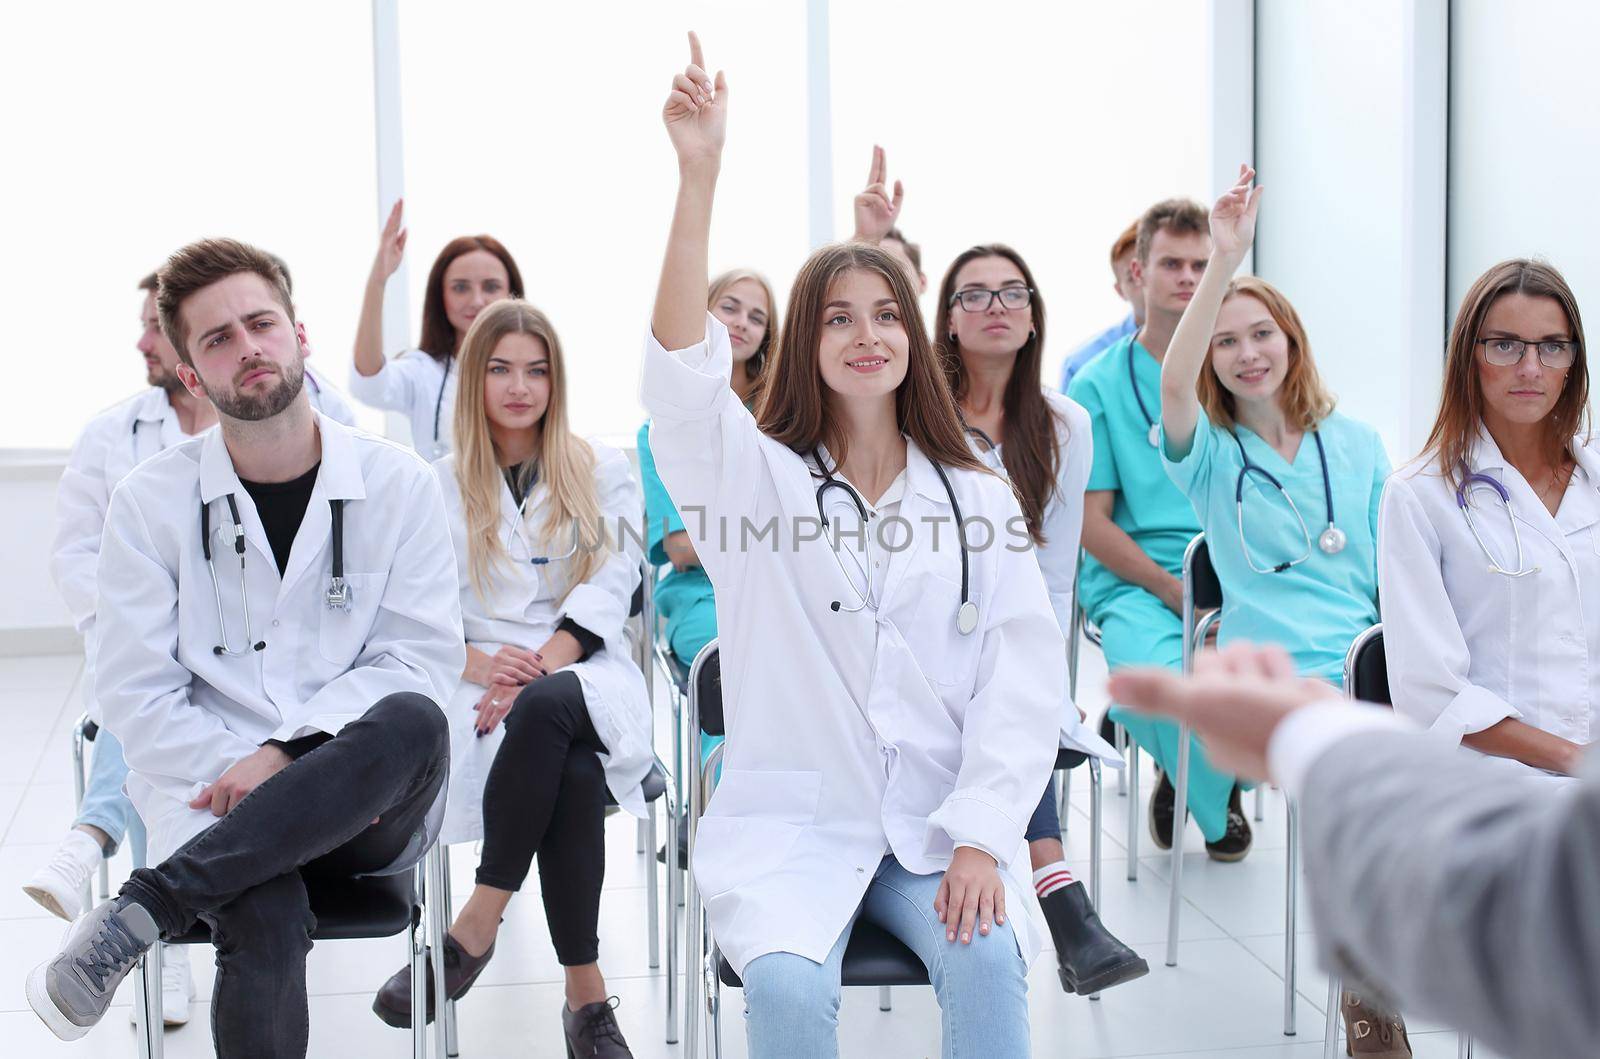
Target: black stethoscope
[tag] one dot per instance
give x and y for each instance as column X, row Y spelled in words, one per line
column 966, row 613
column 438, row 407
column 337, row 596
column 1154, row 435
column 1332, row 539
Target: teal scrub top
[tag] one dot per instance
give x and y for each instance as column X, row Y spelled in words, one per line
column 677, row 589
column 1313, row 609
column 1148, row 507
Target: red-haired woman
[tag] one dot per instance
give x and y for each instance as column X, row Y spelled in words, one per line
column 470, row 273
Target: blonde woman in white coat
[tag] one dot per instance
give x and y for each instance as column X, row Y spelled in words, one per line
column 892, row 706
column 552, row 712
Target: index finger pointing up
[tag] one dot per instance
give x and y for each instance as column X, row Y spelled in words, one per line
column 875, row 175
column 696, row 53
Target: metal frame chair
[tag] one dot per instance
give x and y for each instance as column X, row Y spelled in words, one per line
column 1366, row 677
column 1202, row 610
column 367, row 907
column 84, row 732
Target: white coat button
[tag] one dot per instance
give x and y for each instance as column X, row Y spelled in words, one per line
column 861, row 871
column 274, row 623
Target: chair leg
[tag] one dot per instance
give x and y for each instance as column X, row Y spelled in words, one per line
column 1132, row 771
column 1261, row 802
column 1331, row 1020
column 1291, row 898
column 673, row 901
column 715, row 1007
column 1064, row 802
column 147, row 1004
column 1096, row 779
column 652, row 896
column 1119, row 737
column 693, row 971
column 80, row 784
column 419, row 979
column 452, row 1047
column 885, row 998
column 436, row 904
column 1180, row 823
column 1463, row 1046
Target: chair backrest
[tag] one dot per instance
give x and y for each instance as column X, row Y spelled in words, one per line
column 1366, row 668
column 1200, row 575
column 706, row 687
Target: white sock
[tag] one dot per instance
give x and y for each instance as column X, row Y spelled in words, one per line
column 1050, row 878
column 86, row 841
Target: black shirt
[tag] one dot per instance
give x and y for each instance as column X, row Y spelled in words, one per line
column 282, row 507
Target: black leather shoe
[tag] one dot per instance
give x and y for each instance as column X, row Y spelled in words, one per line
column 592, row 1031
column 1162, row 800
column 1235, row 842
column 683, row 844
column 461, row 969
column 1090, row 958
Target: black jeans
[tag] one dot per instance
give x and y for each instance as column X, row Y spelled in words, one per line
column 243, row 876
column 546, row 795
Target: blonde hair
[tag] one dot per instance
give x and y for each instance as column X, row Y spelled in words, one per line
column 1303, row 398
column 566, row 462
column 719, row 287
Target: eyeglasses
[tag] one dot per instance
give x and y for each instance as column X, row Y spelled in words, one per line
column 1504, row 352
column 977, row 300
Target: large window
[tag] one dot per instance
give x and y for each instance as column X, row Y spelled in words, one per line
column 134, row 128
column 1048, row 126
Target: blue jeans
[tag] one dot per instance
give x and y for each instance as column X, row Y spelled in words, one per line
column 792, row 1004
column 104, row 805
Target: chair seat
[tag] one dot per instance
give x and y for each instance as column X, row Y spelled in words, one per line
column 678, row 671
column 1069, row 759
column 376, row 906
column 873, row 957
column 654, row 785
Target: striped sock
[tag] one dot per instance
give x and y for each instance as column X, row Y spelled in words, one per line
column 1050, row 878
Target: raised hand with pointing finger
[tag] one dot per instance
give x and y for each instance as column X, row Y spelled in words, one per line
column 696, row 111
column 876, row 213
column 1233, row 218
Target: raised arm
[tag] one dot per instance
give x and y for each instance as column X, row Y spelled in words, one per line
column 368, row 357
column 696, row 116
column 1233, row 229
column 875, row 211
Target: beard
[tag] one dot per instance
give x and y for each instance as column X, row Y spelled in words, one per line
column 164, row 377
column 255, row 407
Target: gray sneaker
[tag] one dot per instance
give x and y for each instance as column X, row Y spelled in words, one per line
column 71, row 991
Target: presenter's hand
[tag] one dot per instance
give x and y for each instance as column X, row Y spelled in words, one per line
column 1234, row 702
column 696, row 111
column 1233, row 218
column 242, row 777
column 971, row 896
column 391, row 244
column 875, row 211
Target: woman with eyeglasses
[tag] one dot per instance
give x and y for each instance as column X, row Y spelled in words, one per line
column 470, row 273
column 551, row 714
column 1285, row 488
column 1489, row 541
column 989, row 335
column 891, row 694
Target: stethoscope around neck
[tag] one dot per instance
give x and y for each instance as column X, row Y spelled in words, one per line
column 1332, row 539
column 966, row 613
column 438, row 407
column 336, row 596
column 1471, row 480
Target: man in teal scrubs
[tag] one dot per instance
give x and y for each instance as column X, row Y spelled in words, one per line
column 1136, row 523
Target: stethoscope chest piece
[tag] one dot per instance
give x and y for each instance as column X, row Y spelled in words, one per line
column 1332, row 540
column 338, row 594
column 1154, row 436
column 967, row 618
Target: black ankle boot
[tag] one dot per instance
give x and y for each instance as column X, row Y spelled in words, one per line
column 592, row 1031
column 1090, row 957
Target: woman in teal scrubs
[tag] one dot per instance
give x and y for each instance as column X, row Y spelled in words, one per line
column 744, row 301
column 1241, row 398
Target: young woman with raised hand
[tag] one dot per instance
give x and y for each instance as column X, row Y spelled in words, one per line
column 1286, row 490
column 547, row 579
column 891, row 711
column 1489, row 556
column 989, row 335
column 470, row 273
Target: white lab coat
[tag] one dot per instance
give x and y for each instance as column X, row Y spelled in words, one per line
column 422, row 389
column 1468, row 647
column 326, row 398
column 1063, row 536
column 850, row 735
column 525, row 610
column 185, row 714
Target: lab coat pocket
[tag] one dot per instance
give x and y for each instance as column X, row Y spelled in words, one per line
column 343, row 633
column 945, row 655
column 751, row 826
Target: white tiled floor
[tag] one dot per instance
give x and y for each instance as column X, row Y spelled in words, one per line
column 1225, row 997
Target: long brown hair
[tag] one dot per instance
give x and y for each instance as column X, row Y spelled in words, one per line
column 1305, row 401
column 1461, row 400
column 438, row 335
column 719, row 287
column 792, row 407
column 1030, row 453
column 566, row 462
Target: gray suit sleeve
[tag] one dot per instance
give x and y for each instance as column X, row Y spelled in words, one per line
column 1451, row 888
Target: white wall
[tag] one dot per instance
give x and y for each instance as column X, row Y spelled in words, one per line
column 29, row 602
column 1524, row 140
column 1332, row 141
